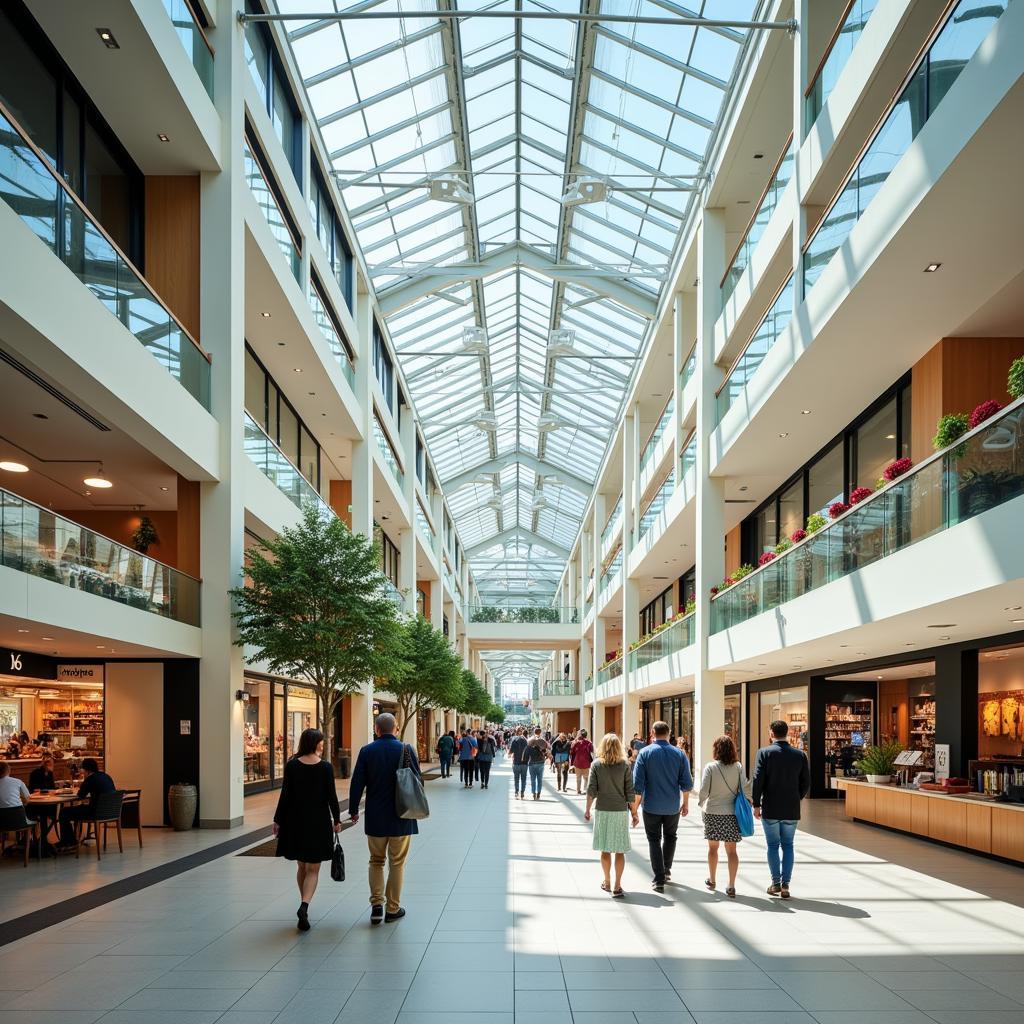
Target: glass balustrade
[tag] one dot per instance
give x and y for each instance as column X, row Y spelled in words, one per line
column 324, row 320
column 523, row 614
column 610, row 575
column 194, row 40
column 612, row 525
column 836, row 58
column 277, row 468
column 560, row 688
column 659, row 432
column 610, row 671
column 769, row 201
column 268, row 204
column 36, row 541
column 37, row 194
column 688, row 460
column 689, row 369
column 657, row 505
column 768, row 330
column 958, row 40
column 388, row 453
column 672, row 638
column 982, row 471
column 423, row 522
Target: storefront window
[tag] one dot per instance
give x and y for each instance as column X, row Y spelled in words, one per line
column 279, row 726
column 1000, row 702
column 301, row 714
column 791, row 508
column 256, row 742
column 732, row 717
column 825, row 480
column 789, row 706
column 874, row 447
column 10, row 720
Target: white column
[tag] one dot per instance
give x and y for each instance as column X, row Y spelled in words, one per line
column 679, row 354
column 362, row 449
column 801, row 73
column 709, row 686
column 630, row 589
column 407, row 536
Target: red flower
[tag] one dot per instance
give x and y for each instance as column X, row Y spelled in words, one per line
column 714, row 590
column 797, row 535
column 858, row 494
column 983, row 412
column 896, row 468
column 766, row 557
column 837, row 508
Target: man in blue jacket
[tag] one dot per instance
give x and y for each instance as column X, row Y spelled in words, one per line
column 662, row 781
column 387, row 835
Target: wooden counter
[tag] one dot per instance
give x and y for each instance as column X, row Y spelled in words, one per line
column 23, row 767
column 971, row 822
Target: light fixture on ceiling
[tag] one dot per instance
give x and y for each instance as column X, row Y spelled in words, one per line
column 805, row 412
column 13, row 467
column 474, row 340
column 163, row 136
column 108, row 38
column 784, row 434
column 945, row 638
column 23, row 631
column 40, row 415
column 759, row 156
column 1017, row 622
column 99, row 480
column 743, row 488
column 296, row 369
column 449, row 188
column 539, row 503
column 486, row 421
column 266, row 316
column 586, row 190
column 561, row 342
column 549, row 421
column 46, row 638
column 932, row 267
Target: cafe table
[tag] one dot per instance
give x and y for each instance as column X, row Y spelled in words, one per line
column 48, row 805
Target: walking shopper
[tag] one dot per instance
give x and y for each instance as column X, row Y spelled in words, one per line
column 722, row 781
column 484, row 756
column 560, row 750
column 661, row 775
column 519, row 751
column 781, row 780
column 387, row 835
column 445, row 752
column 582, row 756
column 536, row 755
column 611, row 788
column 306, row 808
column 467, row 754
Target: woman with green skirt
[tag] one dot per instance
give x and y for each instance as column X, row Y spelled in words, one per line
column 611, row 788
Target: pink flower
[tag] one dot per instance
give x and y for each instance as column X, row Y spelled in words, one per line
column 983, row 412
column 858, row 494
column 837, row 508
column 714, row 590
column 766, row 557
column 896, row 468
column 798, row 535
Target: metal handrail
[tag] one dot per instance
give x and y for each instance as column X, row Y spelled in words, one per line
column 836, row 32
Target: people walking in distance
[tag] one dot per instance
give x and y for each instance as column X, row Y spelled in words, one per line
column 467, row 755
column 662, row 783
column 537, row 750
column 722, row 780
column 445, row 753
column 388, row 835
column 611, row 789
column 581, row 753
column 306, row 808
column 636, row 743
column 560, row 750
column 485, row 751
column 781, row 780
column 518, row 750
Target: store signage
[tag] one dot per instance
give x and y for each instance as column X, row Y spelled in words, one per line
column 25, row 664
column 80, row 674
column 941, row 761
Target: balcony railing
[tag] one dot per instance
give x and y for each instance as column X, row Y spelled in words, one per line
column 673, row 638
column 610, row 671
column 523, row 614
column 613, row 522
column 325, row 321
column 265, row 198
column 689, row 457
column 835, row 58
column 390, row 460
column 761, row 343
column 688, row 370
column 983, row 470
column 36, row 541
column 394, row 595
column 560, row 688
column 278, row 468
column 610, row 575
column 659, row 431
column 193, row 38
column 762, row 215
column 953, row 45
column 423, row 522
column 34, row 190
column 657, row 505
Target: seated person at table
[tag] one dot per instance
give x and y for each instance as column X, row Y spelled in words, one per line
column 42, row 777
column 13, row 748
column 13, row 792
column 93, row 786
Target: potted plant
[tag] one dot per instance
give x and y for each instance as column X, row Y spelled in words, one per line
column 815, row 521
column 878, row 762
column 984, row 411
column 144, row 535
column 1015, row 380
column 949, row 428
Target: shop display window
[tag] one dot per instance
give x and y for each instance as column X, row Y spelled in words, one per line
column 256, row 749
column 732, row 716
column 1001, row 703
column 788, row 705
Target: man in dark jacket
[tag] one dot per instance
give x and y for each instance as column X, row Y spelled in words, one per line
column 781, row 780
column 94, row 784
column 387, row 835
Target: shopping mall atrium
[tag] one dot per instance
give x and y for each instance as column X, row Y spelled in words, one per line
column 667, row 361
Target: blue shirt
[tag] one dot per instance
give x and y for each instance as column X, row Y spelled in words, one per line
column 660, row 774
column 466, row 747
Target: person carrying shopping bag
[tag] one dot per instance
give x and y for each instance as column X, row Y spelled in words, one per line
column 725, row 798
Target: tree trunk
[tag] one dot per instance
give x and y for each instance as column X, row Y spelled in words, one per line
column 407, row 715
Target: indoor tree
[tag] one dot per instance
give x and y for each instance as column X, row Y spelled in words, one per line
column 495, row 715
column 432, row 675
column 314, row 608
column 476, row 701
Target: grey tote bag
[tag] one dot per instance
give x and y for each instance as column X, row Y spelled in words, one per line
column 410, row 800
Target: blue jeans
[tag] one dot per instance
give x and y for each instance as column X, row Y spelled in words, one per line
column 779, row 833
column 536, row 777
column 446, row 765
column 519, row 777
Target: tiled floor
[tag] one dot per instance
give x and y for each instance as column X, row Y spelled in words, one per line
column 507, row 924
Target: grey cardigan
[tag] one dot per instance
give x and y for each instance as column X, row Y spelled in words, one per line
column 612, row 784
column 719, row 785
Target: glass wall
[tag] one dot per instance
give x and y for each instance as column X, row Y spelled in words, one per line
column 328, row 230
column 273, row 720
column 767, row 706
column 256, row 741
column 677, row 712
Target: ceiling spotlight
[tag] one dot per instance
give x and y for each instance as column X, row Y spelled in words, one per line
column 1017, row 622
column 13, row 467
column 932, row 267
column 22, row 630
column 266, row 316
column 46, row 638
column 486, row 421
column 108, row 38
column 784, row 434
column 449, row 188
column 99, row 480
column 562, row 342
column 297, row 369
column 163, row 137
column 805, row 412
column 164, row 488
column 586, row 190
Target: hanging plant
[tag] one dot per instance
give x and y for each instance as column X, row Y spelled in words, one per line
column 950, row 427
column 144, row 536
column 1015, row 380
column 837, row 508
column 983, row 412
column 766, row 557
column 815, row 521
column 896, row 468
column 796, row 536
column 858, row 494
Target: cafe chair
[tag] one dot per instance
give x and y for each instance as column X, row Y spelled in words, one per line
column 131, row 814
column 107, row 814
column 15, row 820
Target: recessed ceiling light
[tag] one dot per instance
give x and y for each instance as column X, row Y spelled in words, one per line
column 14, row 467
column 22, row 630
column 759, row 156
column 100, row 647
column 164, row 488
column 743, row 487
column 932, row 267
column 163, row 137
column 890, row 437
column 742, row 202
column 281, row 344
column 943, row 625
column 46, row 638
column 266, row 316
column 297, row 369
column 40, row 415
column 945, row 638
column 909, row 644
column 312, row 394
column 1017, row 622
column 108, row 38
column 805, row 412
column 784, row 434
column 1013, row 608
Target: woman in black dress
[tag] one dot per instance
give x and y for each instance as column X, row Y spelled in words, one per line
column 305, row 809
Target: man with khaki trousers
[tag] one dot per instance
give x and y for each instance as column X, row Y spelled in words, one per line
column 387, row 835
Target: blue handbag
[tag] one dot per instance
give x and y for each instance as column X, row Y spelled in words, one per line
column 741, row 807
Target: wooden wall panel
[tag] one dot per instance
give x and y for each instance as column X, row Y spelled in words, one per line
column 119, row 526
column 424, row 585
column 1008, row 833
column 892, row 696
column 979, row 827
column 188, row 526
column 732, row 551
column 947, row 821
column 340, row 499
column 925, row 402
column 172, row 244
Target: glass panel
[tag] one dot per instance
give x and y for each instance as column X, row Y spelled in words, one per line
column 390, row 459
column 825, row 481
column 285, row 123
column 107, row 190
column 836, row 59
column 791, row 508
column 28, row 88
column 874, row 447
column 36, row 541
column 256, row 732
column 657, row 506
column 329, row 330
column 670, row 638
column 257, row 55
column 192, row 38
column 279, row 470
column 512, row 612
column 302, row 714
column 309, row 457
column 271, row 209
column 656, row 435
column 278, row 733
column 288, row 434
column 255, row 389
column 71, row 158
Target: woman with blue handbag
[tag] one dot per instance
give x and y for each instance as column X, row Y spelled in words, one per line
column 728, row 817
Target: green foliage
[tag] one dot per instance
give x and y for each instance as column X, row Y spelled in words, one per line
column 744, row 570
column 432, row 675
column 949, row 428
column 1015, row 379
column 495, row 715
column 880, row 760
column 815, row 521
column 784, row 545
column 314, row 608
column 476, row 701
column 145, row 535
column 519, row 614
